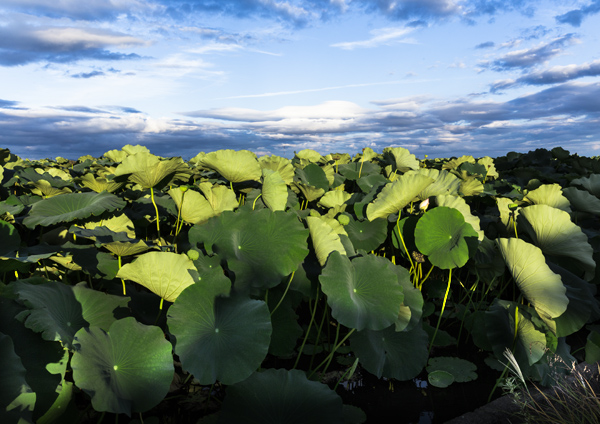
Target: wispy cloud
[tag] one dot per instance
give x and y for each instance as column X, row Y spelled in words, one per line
column 575, row 17
column 382, row 36
column 91, row 10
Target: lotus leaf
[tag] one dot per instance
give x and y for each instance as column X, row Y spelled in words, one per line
column 366, row 235
column 582, row 201
column 403, row 159
column 539, row 285
column 591, row 184
column 357, row 170
column 310, row 193
column 313, row 175
column 220, row 197
column 12, row 375
column 127, row 369
column 99, row 184
column 461, row 369
column 443, row 235
column 552, row 231
column 163, row 273
column 460, row 204
column 193, row 207
column 219, row 338
column 284, row 320
column 260, row 247
column 395, row 196
column 488, row 162
column 307, row 156
column 334, row 198
column 505, row 213
column 455, row 163
column 444, row 183
column 149, row 170
column 234, row 166
column 363, row 293
column 70, row 207
column 592, row 346
column 120, row 248
column 392, row 354
column 118, row 224
column 440, row 378
column 282, row 165
column 470, row 186
column 274, row 190
column 285, row 397
column 45, row 189
column 10, row 238
column 324, row 239
column 367, row 154
column 549, row 194
column 411, row 309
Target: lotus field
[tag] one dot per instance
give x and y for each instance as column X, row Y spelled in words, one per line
column 137, row 285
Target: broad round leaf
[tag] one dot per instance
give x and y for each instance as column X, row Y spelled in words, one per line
column 444, row 182
column 276, row 163
column 440, row 378
column 278, row 396
column 461, row 369
column 71, row 206
column 443, row 235
column 397, row 195
column 192, row 206
column 459, row 204
column 324, row 239
column 274, row 190
column 366, row 235
column 12, row 375
column 591, row 184
column 551, row 195
column 235, row 166
column 582, row 201
column 364, row 293
column 149, row 170
column 129, row 369
column 163, row 273
column 219, row 338
column 10, row 238
column 403, row 159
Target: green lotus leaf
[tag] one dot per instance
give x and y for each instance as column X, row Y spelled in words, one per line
column 455, row 163
column 460, row 204
column 14, row 385
column 440, row 378
column 539, row 285
column 363, row 293
column 488, row 162
column 193, row 207
column 219, row 338
column 552, row 231
column 403, row 159
column 334, row 198
column 592, row 346
column 549, row 194
column 307, row 156
column 119, row 155
column 261, row 247
column 591, row 184
column 461, row 369
column 366, row 235
column 58, row 311
column 470, row 186
column 127, row 369
column 220, row 197
column 411, row 309
column 121, row 248
column 99, row 184
column 443, row 235
column 234, row 166
column 505, row 213
column 324, row 239
column 310, row 193
column 582, row 201
column 282, row 165
column 10, row 238
column 100, row 234
column 285, row 397
column 117, row 224
column 286, row 329
column 488, row 262
column 70, row 207
column 45, row 189
column 60, row 405
column 395, row 196
column 392, row 354
column 163, row 273
column 366, row 154
column 357, row 170
column 149, row 170
column 274, row 190
column 314, row 176
column 444, row 183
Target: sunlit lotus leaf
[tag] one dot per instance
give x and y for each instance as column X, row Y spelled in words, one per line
column 461, row 205
column 149, row 170
column 221, row 198
column 539, row 285
column 461, row 369
column 505, row 213
column 163, row 273
column 234, row 166
column 395, row 196
column 549, row 194
column 219, row 338
column 329, row 170
column 282, row 165
column 14, row 385
column 366, row 155
column 118, row 224
column 124, row 248
column 366, row 235
column 274, row 190
column 58, row 311
column 333, row 223
column 392, row 354
column 334, row 198
column 306, row 156
column 45, row 189
column 193, row 206
column 127, row 369
column 591, row 184
column 470, row 186
column 310, row 193
column 261, row 247
column 99, row 184
column 119, row 155
column 286, row 396
column 443, row 235
column 488, row 162
column 324, row 239
column 363, row 293
column 444, row 183
column 403, row 159
column 70, row 207
column 10, row 238
column 455, row 163
column 553, row 231
column 582, row 201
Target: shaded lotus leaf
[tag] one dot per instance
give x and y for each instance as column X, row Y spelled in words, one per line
column 193, row 207
column 539, row 285
column 471, row 169
column 395, row 196
column 402, row 158
column 314, row 176
column 592, row 346
column 285, row 397
column 366, row 235
column 274, row 190
column 488, row 162
column 99, row 184
column 461, row 369
column 444, row 183
column 411, row 309
column 219, row 338
column 14, row 385
column 261, row 247
column 363, row 293
column 163, row 273
column 582, row 201
column 357, row 170
column 282, row 165
column 234, row 166
column 367, row 183
column 324, row 239
column 591, row 184
column 553, row 231
column 440, row 378
column 70, row 207
column 443, row 235
column 149, row 170
column 121, row 248
column 461, row 205
column 334, row 198
column 102, row 234
column 220, row 197
column 127, row 369
column 60, row 405
column 549, row 194
column 392, row 354
column 487, row 261
column 58, row 311
column 10, row 238
column 284, row 320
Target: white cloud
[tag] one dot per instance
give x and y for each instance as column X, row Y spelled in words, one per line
column 381, row 36
column 85, row 38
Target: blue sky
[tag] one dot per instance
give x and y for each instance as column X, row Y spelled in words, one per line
column 439, row 77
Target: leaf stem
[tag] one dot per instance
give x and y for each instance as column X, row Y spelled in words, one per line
column 441, row 313
column 312, row 319
column 330, row 356
column 284, row 293
column 156, row 209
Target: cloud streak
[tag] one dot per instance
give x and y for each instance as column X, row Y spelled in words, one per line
column 382, row 36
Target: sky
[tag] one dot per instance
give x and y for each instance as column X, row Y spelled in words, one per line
column 441, row 78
